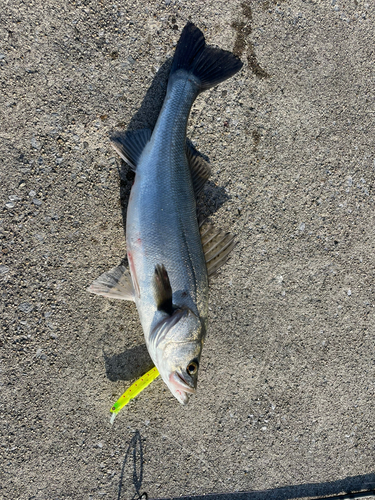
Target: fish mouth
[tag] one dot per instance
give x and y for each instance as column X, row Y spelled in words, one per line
column 182, row 389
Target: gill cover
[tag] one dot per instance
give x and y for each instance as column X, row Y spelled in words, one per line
column 176, row 340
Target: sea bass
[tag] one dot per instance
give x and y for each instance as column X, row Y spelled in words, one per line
column 170, row 258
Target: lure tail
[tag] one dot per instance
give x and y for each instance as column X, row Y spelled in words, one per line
column 208, row 65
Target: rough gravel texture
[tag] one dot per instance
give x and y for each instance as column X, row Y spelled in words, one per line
column 287, row 382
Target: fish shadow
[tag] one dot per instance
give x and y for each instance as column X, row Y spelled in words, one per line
column 212, row 196
column 129, row 364
column 210, row 200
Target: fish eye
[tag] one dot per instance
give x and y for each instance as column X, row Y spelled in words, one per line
column 192, row 367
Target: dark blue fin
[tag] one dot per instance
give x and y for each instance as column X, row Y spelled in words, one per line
column 209, row 65
column 130, row 145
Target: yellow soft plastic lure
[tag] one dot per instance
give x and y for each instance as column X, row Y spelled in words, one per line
column 133, row 391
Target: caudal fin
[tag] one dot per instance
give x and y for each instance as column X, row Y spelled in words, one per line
column 209, row 65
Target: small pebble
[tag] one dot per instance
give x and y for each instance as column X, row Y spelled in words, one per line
column 26, row 307
column 14, row 197
column 37, row 202
column 9, row 205
column 32, row 194
column 39, row 354
column 4, row 269
column 35, row 144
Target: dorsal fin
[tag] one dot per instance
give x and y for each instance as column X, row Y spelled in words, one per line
column 114, row 284
column 200, row 169
column 130, row 145
column 217, row 246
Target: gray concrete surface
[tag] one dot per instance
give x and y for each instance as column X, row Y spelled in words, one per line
column 286, row 388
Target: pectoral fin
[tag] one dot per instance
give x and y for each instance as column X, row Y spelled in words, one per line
column 217, row 246
column 130, row 145
column 114, row 284
column 163, row 290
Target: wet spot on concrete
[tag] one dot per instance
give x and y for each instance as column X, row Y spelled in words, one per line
column 256, row 137
column 244, row 44
column 267, row 4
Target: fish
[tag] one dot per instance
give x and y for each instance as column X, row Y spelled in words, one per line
column 171, row 257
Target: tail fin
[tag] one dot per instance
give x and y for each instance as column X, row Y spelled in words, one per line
column 208, row 64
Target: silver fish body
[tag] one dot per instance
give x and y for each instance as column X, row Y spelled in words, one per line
column 162, row 227
column 168, row 265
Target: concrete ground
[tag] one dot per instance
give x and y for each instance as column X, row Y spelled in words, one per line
column 285, row 406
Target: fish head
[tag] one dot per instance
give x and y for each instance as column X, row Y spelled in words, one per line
column 177, row 342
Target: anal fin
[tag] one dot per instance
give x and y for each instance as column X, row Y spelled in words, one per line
column 217, row 246
column 114, row 284
column 199, row 168
column 129, row 145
